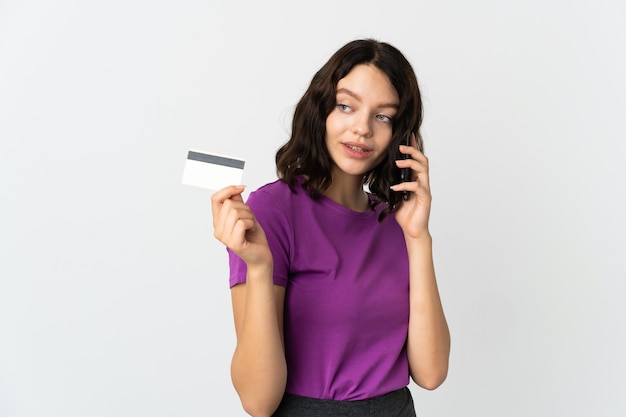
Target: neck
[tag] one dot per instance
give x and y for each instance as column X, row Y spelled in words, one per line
column 348, row 191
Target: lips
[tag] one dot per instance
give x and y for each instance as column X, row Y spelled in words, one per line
column 356, row 150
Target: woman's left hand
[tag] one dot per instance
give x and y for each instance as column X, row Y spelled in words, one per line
column 413, row 214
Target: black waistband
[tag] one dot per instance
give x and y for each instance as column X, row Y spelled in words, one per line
column 397, row 403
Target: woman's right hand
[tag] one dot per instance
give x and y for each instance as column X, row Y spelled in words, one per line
column 236, row 227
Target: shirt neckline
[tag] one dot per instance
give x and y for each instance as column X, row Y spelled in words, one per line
column 347, row 211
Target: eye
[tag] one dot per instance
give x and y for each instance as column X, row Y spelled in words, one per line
column 344, row 107
column 383, row 118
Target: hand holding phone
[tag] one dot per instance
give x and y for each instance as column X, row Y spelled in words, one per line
column 405, row 173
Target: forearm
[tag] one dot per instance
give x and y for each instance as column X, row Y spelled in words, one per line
column 258, row 369
column 428, row 343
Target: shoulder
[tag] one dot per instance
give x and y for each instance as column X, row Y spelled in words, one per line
column 278, row 188
column 275, row 203
column 277, row 194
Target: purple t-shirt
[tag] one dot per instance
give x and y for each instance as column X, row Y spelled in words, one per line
column 347, row 293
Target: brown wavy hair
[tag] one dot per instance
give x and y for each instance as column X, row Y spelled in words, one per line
column 305, row 153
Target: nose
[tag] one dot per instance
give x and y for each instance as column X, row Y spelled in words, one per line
column 361, row 125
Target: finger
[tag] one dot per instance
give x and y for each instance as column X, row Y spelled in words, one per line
column 231, row 216
column 230, row 213
column 419, row 171
column 415, row 166
column 239, row 233
column 232, row 232
column 414, row 153
column 232, row 192
column 418, row 164
column 414, row 187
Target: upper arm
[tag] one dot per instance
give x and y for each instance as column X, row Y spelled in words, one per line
column 238, row 297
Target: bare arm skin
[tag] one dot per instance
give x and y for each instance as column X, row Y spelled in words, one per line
column 258, row 368
column 428, row 343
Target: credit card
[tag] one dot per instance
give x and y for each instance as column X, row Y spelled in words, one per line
column 212, row 171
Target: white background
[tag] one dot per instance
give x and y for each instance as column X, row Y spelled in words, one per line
column 113, row 293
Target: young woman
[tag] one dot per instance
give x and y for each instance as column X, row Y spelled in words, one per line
column 333, row 286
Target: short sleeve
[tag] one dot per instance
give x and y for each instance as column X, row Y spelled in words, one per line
column 273, row 218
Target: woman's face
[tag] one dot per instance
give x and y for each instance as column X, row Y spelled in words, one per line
column 359, row 128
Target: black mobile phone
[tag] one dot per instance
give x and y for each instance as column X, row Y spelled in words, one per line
column 405, row 173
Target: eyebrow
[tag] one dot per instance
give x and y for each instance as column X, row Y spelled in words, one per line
column 358, row 97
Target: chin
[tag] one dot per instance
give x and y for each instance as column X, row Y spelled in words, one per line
column 353, row 171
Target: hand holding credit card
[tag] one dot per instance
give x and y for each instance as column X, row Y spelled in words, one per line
column 212, row 171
